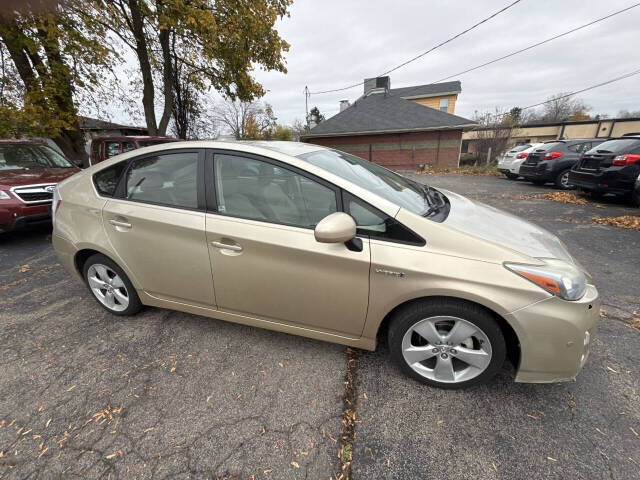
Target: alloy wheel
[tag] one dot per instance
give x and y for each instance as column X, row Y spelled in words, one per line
column 108, row 287
column 564, row 180
column 446, row 349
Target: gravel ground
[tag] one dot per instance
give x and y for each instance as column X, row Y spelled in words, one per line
column 172, row 395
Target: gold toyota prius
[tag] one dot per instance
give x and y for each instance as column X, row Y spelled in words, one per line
column 316, row 242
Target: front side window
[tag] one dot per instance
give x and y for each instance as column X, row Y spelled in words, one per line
column 259, row 190
column 30, row 157
column 375, row 224
column 127, row 146
column 444, row 104
column 168, row 179
column 372, row 177
column 111, row 148
column 106, row 180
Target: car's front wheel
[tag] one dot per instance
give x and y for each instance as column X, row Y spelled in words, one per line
column 511, row 176
column 110, row 286
column 446, row 343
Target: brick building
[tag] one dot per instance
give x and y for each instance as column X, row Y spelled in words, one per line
column 400, row 128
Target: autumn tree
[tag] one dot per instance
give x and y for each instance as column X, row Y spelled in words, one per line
column 246, row 120
column 562, row 107
column 48, row 56
column 315, row 117
column 493, row 132
column 186, row 47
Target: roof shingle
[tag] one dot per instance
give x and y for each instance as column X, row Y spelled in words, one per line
column 386, row 113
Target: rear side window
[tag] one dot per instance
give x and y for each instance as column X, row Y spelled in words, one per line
column 106, row 180
column 376, row 224
column 169, row 179
column 580, row 147
column 127, row 146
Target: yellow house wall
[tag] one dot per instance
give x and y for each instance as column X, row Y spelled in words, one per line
column 434, row 102
column 620, row 128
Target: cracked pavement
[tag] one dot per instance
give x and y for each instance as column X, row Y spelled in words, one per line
column 172, row 395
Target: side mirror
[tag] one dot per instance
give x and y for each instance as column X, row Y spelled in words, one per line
column 335, row 228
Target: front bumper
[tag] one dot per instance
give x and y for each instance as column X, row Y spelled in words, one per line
column 555, row 336
column 14, row 216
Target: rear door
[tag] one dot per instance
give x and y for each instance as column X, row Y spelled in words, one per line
column 266, row 262
column 156, row 224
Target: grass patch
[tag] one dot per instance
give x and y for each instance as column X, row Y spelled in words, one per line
column 478, row 170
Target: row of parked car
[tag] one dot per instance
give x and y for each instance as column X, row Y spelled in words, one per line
column 597, row 166
column 30, row 170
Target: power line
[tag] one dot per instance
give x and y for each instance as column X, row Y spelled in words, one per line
column 567, row 95
column 538, row 43
column 424, row 53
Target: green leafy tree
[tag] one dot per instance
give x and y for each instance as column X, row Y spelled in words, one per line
column 188, row 46
column 48, row 56
column 315, row 117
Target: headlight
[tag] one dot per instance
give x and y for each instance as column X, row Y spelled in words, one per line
column 558, row 277
column 4, row 195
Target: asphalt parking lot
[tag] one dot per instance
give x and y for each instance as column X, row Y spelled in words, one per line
column 172, row 395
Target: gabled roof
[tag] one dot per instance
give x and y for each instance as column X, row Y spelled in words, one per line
column 429, row 90
column 387, row 113
column 88, row 123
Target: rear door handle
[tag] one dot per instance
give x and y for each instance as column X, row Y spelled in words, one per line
column 118, row 223
column 226, row 246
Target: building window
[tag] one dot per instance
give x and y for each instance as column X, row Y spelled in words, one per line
column 444, row 104
column 465, row 146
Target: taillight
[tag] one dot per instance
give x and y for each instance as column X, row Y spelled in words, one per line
column 522, row 155
column 622, row 160
column 552, row 155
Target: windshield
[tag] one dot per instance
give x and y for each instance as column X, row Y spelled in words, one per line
column 617, row 146
column 390, row 186
column 30, row 157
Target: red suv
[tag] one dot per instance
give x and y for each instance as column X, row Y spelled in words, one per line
column 29, row 172
column 107, row 147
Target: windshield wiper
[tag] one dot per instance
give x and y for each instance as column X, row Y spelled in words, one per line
column 434, row 199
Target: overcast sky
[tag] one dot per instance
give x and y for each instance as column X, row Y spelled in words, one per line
column 337, row 43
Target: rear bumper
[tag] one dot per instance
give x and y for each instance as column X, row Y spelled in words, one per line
column 66, row 252
column 604, row 181
column 555, row 336
column 536, row 172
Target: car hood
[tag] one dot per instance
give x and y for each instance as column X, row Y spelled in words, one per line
column 502, row 228
column 15, row 178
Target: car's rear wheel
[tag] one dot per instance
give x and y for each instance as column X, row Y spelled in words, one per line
column 110, row 286
column 511, row 176
column 562, row 180
column 447, row 343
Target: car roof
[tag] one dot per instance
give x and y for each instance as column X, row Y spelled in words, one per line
column 135, row 137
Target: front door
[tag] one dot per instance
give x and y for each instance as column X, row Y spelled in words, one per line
column 157, row 226
column 266, row 262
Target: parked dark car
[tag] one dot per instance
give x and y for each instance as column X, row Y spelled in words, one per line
column 107, row 147
column 611, row 167
column 29, row 172
column 553, row 161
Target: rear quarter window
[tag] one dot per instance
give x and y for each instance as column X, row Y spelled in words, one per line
column 623, row 145
column 106, row 180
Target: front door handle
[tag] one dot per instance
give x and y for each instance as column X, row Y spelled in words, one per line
column 226, row 246
column 118, row 223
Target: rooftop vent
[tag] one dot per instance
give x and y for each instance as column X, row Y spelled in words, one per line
column 377, row 84
column 344, row 104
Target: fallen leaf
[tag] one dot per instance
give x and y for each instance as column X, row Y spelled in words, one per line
column 267, row 471
column 24, row 268
column 552, row 459
column 630, row 222
column 71, row 388
column 634, row 432
column 562, row 197
column 294, row 464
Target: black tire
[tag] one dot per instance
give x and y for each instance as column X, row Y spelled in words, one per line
column 405, row 318
column 512, row 176
column 560, row 183
column 635, row 198
column 134, row 304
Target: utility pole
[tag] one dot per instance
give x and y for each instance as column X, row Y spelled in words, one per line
column 307, row 94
